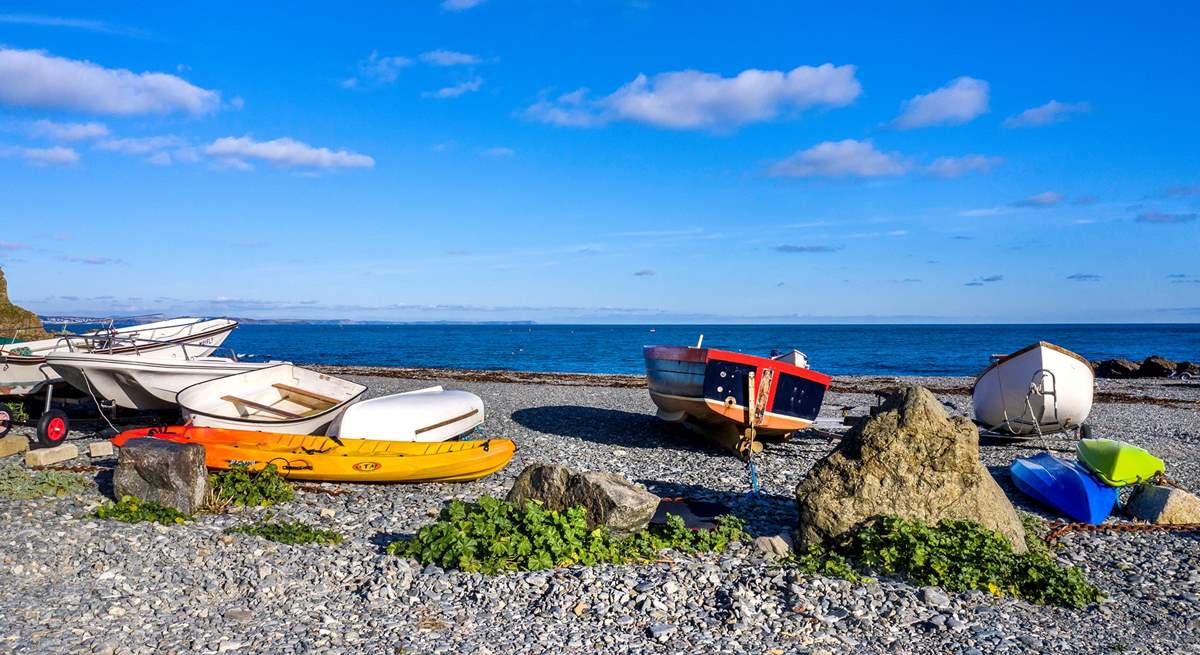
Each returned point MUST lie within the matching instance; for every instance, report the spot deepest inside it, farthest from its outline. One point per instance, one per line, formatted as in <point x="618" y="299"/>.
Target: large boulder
<point x="1164" y="506"/>
<point x="1156" y="367"/>
<point x="1188" y="368"/>
<point x="1117" y="369"/>
<point x="911" y="460"/>
<point x="15" y="321"/>
<point x="611" y="500"/>
<point x="168" y="473"/>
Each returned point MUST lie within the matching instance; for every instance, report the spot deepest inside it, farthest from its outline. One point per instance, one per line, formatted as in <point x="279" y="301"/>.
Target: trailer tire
<point x="1085" y="431"/>
<point x="52" y="428"/>
<point x="6" y="419"/>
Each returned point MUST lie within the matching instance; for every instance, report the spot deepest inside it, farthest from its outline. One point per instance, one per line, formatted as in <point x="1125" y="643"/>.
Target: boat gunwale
<point x="247" y="420"/>
<point x="705" y="355"/>
<point x="7" y="357"/>
<point x="1036" y="345"/>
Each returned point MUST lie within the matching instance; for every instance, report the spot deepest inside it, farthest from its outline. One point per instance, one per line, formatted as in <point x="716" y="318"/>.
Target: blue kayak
<point x="1065" y="487"/>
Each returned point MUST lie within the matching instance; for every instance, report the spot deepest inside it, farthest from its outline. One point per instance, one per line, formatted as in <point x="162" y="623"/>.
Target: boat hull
<point x="141" y="383"/>
<point x="1065" y="487"/>
<point x="426" y="415"/>
<point x="25" y="374"/>
<point x="1116" y="463"/>
<point x="300" y="457"/>
<point x="1064" y="384"/>
<point x="709" y="389"/>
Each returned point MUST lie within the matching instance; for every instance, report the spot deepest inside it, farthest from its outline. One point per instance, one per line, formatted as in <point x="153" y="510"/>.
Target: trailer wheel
<point x="52" y="428"/>
<point x="6" y="419"/>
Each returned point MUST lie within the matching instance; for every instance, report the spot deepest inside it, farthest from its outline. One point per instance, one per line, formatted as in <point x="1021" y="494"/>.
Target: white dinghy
<point x="280" y="398"/>
<point x="426" y="415"/>
<point x="141" y="382"/>
<point x="1038" y="389"/>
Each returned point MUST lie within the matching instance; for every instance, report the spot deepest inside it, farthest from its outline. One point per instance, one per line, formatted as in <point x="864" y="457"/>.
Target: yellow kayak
<point x="304" y="457"/>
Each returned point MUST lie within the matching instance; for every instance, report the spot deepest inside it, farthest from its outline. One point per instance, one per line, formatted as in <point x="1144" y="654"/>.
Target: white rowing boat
<point x="425" y="415"/>
<point x="1038" y="389"/>
<point x="281" y="398"/>
<point x="144" y="382"/>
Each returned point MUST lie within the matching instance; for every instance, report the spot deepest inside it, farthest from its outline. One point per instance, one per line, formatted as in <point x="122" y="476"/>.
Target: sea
<point x="919" y="350"/>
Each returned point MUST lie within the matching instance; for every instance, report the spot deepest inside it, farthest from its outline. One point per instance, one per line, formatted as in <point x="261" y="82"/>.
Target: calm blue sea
<point x="833" y="349"/>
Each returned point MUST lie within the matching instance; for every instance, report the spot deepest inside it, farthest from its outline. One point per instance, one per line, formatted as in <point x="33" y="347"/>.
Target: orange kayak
<point x="304" y="457"/>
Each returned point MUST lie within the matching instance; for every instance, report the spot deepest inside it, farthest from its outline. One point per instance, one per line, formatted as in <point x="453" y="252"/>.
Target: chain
<point x="1062" y="529"/>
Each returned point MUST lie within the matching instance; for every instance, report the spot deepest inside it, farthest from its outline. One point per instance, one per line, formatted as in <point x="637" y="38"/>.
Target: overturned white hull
<point x="425" y="415"/>
<point x="23" y="368"/>
<point x="144" y="383"/>
<point x="281" y="398"/>
<point x="1041" y="387"/>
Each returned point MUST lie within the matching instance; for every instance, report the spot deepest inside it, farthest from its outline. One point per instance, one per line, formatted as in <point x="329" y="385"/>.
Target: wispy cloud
<point x="1043" y="199"/>
<point x="284" y="152"/>
<point x="456" y="90"/>
<point x="959" y="166"/>
<point x="986" y="279"/>
<point x="47" y="129"/>
<point x="12" y="245"/>
<point x="377" y="69"/>
<point x="798" y="250"/>
<point x="984" y="211"/>
<point x="33" y="78"/>
<point x="1183" y="278"/>
<point x="55" y="156"/>
<point x="1184" y="191"/>
<point x="70" y="23"/>
<point x="959" y="101"/>
<point x="460" y="5"/>
<point x="846" y="158"/>
<point x="643" y="273"/>
<point x="695" y="100"/>
<point x="449" y="58"/>
<point x="1162" y="218"/>
<point x="1049" y="113"/>
<point x="94" y="261"/>
<point x="1084" y="277"/>
<point x="498" y="151"/>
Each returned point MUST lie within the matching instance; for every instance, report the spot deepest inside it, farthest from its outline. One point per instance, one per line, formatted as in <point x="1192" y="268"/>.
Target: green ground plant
<point x="239" y="486"/>
<point x="19" y="483"/>
<point x="135" y="510"/>
<point x="288" y="532"/>
<point x="493" y="536"/>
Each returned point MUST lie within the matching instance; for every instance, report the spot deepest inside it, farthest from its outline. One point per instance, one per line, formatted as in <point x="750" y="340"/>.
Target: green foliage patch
<point x="19" y="483"/>
<point x="241" y="486"/>
<point x="959" y="555"/>
<point x="288" y="532"/>
<point x="135" y="510"/>
<point x="492" y="536"/>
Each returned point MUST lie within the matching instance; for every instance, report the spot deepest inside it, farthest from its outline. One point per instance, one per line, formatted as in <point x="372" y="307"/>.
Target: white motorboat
<point x="23" y="369"/>
<point x="281" y="398"/>
<point x="142" y="382"/>
<point x="426" y="415"/>
<point x="1038" y="389"/>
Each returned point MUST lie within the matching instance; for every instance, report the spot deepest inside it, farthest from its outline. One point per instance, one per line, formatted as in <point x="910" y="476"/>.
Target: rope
<point x="98" y="407"/>
<point x="753" y="476"/>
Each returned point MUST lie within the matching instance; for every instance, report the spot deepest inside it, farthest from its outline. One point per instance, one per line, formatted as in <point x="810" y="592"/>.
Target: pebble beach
<point x="74" y="584"/>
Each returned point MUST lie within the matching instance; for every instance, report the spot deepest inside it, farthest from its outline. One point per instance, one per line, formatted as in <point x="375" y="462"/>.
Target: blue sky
<point x="603" y="161"/>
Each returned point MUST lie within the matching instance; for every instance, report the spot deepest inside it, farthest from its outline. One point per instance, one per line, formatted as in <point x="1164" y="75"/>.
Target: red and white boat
<point x="724" y="394"/>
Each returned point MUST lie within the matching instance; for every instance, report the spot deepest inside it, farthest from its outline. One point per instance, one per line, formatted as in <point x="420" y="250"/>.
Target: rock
<point x="100" y="449"/>
<point x="1164" y="506"/>
<point x="910" y="460"/>
<point x="774" y="547"/>
<point x="1117" y="369"/>
<point x="661" y="631"/>
<point x="611" y="500"/>
<point x="22" y="323"/>
<point x="168" y="473"/>
<point x="1156" y="367"/>
<point x="13" y="444"/>
<point x="48" y="456"/>
<point x="1188" y="368"/>
<point x="934" y="597"/>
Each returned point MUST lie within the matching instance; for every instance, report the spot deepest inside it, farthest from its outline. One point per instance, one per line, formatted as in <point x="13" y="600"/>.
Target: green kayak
<point x="1117" y="463"/>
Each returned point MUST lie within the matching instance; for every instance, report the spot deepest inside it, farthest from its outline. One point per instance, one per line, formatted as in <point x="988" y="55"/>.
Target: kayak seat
<point x="241" y="403"/>
<point x="311" y="399"/>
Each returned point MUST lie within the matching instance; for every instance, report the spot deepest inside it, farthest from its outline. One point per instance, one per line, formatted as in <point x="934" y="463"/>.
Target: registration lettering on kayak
<point x="367" y="466"/>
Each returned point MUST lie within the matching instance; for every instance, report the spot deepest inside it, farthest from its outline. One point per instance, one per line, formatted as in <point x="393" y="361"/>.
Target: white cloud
<point x="32" y="78"/>
<point x="499" y="151"/>
<point x="960" y="166"/>
<point x="959" y="101"/>
<point x="689" y="100"/>
<point x="846" y="158"/>
<point x="140" y="145"/>
<point x="45" y="129"/>
<point x="56" y="156"/>
<point x="456" y="90"/>
<point x="448" y="58"/>
<point x="234" y="151"/>
<point x="460" y="5"/>
<point x="381" y="70"/>
<point x="986" y="211"/>
<point x="1051" y="112"/>
<point x="1043" y="199"/>
<point x="73" y="23"/>
<point x="160" y="159"/>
